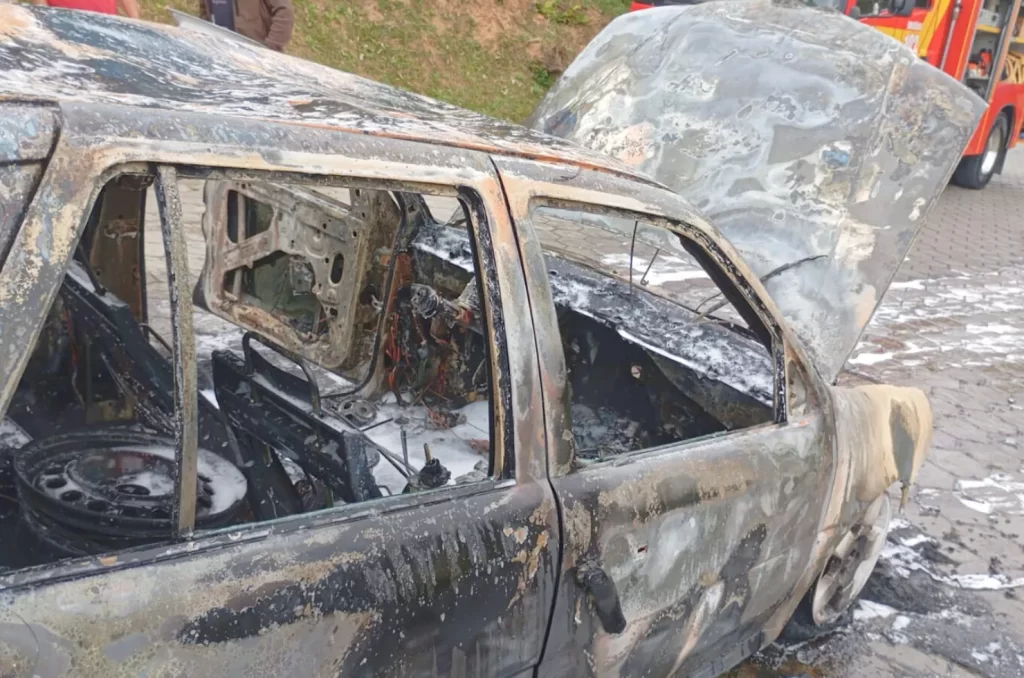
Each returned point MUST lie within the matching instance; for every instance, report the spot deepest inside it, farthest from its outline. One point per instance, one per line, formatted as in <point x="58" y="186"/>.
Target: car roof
<point x="74" y="56"/>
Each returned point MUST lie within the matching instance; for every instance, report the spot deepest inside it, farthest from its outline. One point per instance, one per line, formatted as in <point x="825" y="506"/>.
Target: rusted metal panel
<point x="60" y="56"/>
<point x="703" y="541"/>
<point x="186" y="429"/>
<point x="116" y="255"/>
<point x="797" y="132"/>
<point x="242" y="144"/>
<point x="314" y="231"/>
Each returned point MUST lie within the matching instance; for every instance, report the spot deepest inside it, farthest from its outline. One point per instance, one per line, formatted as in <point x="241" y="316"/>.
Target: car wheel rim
<point x="992" y="149"/>
<point x="852" y="563"/>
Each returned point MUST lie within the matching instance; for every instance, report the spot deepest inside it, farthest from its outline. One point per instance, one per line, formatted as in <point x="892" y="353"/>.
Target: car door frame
<point x="458" y="581"/>
<point x="774" y="572"/>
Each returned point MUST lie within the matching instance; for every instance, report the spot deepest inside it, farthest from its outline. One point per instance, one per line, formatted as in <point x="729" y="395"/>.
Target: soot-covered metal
<point x="427" y="443"/>
<point x="823" y="140"/>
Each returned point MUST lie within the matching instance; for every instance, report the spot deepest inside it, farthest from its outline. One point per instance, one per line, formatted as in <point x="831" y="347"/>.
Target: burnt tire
<point x="975" y="171"/>
<point x="801" y="627"/>
<point x="829" y="603"/>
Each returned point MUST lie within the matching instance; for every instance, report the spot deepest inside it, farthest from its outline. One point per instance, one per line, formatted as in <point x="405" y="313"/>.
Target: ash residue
<point x="601" y="432"/>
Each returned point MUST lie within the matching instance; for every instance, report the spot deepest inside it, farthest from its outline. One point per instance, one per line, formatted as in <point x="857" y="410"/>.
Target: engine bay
<point x="356" y="366"/>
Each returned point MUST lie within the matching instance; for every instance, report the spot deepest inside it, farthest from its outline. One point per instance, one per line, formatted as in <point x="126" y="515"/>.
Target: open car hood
<point x="803" y="135"/>
<point x="194" y="23"/>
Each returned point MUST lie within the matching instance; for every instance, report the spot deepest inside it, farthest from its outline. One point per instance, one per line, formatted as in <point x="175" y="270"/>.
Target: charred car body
<point x="488" y="403"/>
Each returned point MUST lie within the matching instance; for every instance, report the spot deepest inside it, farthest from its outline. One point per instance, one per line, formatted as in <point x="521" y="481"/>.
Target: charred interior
<point x="353" y="364"/>
<point x="643" y="371"/>
<point x="349" y="369"/>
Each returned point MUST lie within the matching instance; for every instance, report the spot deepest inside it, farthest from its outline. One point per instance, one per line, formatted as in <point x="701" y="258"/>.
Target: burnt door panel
<point x="452" y="583"/>
<point x="700" y="543"/>
<point x="674" y="552"/>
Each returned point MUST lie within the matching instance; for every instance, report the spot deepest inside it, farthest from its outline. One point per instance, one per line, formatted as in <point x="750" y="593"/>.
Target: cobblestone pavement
<point x="946" y="599"/>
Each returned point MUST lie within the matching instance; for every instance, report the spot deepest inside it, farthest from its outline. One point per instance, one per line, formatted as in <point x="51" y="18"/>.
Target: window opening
<point x="340" y="357"/>
<point x="653" y="354"/>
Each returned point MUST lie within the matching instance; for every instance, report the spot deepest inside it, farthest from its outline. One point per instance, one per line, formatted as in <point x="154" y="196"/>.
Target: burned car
<point x="306" y="375"/>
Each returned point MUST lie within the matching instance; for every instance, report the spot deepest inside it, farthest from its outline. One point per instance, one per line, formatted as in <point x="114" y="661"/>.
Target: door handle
<point x="596" y="582"/>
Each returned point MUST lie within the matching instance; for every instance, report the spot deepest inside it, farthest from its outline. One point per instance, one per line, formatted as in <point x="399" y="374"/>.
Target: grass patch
<point x="611" y="8"/>
<point x="497" y="57"/>
<point x="561" y="12"/>
<point x="542" y="77"/>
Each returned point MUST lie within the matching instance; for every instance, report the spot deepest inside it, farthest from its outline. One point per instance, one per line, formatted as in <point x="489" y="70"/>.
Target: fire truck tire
<point x="975" y="171"/>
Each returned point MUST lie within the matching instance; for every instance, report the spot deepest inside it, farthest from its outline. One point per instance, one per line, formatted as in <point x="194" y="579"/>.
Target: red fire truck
<point x="978" y="42"/>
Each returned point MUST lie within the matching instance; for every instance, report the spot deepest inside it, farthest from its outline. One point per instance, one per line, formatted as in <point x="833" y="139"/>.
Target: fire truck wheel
<point x="975" y="171"/>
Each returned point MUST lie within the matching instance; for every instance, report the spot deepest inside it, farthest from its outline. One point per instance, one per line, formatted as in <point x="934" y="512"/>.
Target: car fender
<point x="883" y="434"/>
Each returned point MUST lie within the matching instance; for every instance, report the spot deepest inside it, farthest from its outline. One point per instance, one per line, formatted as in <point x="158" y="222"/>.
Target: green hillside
<point x="493" y="56"/>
